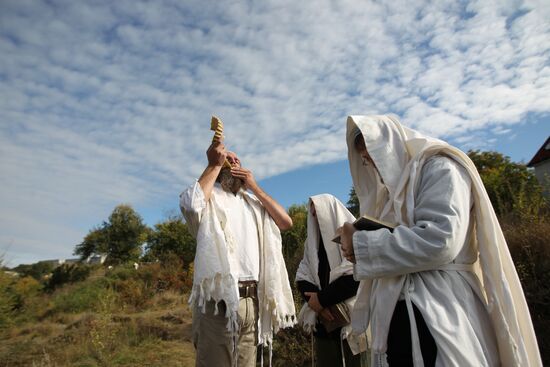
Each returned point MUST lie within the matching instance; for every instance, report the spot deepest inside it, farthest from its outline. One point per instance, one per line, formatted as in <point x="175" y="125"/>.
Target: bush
<point x="7" y="300"/>
<point x="67" y="273"/>
<point x="37" y="270"/>
<point x="530" y="250"/>
<point x="81" y="297"/>
<point x="24" y="290"/>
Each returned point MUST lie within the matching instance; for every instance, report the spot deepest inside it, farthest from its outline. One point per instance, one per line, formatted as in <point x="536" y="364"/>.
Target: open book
<point x="368" y="223"/>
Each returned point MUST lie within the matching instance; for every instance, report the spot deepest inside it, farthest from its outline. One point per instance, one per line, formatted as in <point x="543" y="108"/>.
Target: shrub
<point x="7" y="300"/>
<point x="67" y="273"/>
<point x="530" y="250"/>
<point x="24" y="290"/>
<point x="82" y="297"/>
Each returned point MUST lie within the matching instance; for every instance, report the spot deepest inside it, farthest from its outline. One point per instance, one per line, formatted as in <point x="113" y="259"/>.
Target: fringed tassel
<point x="342" y="351"/>
<point x="262" y="357"/>
<point x="312" y="351"/>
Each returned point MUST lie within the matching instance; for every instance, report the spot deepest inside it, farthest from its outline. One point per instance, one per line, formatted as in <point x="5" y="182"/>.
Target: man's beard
<point x="229" y="182"/>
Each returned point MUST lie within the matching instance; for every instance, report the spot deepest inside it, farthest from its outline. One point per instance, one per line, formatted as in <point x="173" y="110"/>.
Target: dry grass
<point x="89" y="323"/>
<point x="151" y="338"/>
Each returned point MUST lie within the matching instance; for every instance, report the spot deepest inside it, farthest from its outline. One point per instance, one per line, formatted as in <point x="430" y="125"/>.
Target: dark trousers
<point x="399" y="338"/>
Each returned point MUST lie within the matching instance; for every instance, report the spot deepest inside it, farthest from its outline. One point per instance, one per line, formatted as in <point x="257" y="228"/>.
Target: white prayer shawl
<point x="330" y="214"/>
<point x="213" y="279"/>
<point x="400" y="155"/>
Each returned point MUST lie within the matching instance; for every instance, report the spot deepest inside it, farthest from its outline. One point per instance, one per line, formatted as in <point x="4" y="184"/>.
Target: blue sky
<point x="109" y="102"/>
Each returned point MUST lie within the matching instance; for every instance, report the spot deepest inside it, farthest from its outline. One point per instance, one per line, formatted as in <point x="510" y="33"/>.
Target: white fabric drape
<point x="418" y="174"/>
<point x="330" y="214"/>
<point x="213" y="278"/>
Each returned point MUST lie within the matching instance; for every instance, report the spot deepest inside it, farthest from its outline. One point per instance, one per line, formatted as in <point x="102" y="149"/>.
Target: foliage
<point x="80" y="297"/>
<point x="37" y="270"/>
<point x="528" y="244"/>
<point x="136" y="289"/>
<point x="67" y="273"/>
<point x="95" y="242"/>
<point x="294" y="238"/>
<point x="25" y="289"/>
<point x="7" y="300"/>
<point x="513" y="189"/>
<point x="171" y="237"/>
<point x="353" y="203"/>
<point x="121" y="237"/>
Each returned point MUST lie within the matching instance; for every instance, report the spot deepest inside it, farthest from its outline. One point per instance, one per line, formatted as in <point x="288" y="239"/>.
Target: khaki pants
<point x="214" y="343"/>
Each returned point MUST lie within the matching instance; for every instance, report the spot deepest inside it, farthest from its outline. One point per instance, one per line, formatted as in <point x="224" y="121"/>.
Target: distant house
<point x="541" y="163"/>
<point x="54" y="263"/>
<point x="92" y="259"/>
<point x="96" y="259"/>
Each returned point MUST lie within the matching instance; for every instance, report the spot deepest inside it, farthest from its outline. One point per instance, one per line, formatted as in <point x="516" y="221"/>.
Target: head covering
<point x="399" y="154"/>
<point x="330" y="213"/>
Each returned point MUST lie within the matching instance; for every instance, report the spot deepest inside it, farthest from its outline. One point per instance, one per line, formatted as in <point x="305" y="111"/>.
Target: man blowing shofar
<point x="241" y="293"/>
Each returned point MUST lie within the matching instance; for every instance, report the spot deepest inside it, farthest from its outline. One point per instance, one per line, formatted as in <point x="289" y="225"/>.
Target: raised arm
<point x="216" y="155"/>
<point x="275" y="210"/>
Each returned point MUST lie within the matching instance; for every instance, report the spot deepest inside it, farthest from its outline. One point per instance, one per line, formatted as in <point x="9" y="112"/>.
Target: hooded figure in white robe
<point x="324" y="259"/>
<point x="447" y="256"/>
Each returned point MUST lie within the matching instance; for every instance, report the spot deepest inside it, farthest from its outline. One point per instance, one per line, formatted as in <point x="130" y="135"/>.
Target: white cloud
<point x="109" y="102"/>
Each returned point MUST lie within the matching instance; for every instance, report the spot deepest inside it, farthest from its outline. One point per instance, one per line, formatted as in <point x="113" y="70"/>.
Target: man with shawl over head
<point x="325" y="278"/>
<point x="441" y="289"/>
<point x="241" y="293"/>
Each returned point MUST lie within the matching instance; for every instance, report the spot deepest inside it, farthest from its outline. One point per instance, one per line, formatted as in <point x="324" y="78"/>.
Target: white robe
<point x="330" y="214"/>
<point x="435" y="195"/>
<point x="213" y="278"/>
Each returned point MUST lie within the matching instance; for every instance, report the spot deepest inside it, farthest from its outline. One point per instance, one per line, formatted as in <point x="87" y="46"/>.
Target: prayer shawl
<point x="400" y="155"/>
<point x="330" y="214"/>
<point x="213" y="279"/>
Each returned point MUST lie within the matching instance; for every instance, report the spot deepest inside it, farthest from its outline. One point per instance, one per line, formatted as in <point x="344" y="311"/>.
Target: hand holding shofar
<point x="216" y="125"/>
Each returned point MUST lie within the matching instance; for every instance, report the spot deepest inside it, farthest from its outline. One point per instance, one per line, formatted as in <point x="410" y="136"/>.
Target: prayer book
<point x="368" y="223"/>
<point x="341" y="315"/>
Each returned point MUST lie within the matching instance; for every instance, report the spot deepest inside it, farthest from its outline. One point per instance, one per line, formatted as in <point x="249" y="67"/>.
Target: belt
<point x="248" y="289"/>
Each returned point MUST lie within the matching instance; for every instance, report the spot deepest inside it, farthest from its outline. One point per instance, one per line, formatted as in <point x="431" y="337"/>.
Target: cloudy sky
<point x="108" y="102"/>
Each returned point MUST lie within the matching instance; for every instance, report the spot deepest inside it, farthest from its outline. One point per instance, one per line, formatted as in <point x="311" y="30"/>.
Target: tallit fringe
<point x="217" y="289"/>
<point x="278" y="321"/>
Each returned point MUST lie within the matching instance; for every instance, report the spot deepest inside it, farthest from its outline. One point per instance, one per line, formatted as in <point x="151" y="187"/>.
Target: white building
<point x="541" y="163"/>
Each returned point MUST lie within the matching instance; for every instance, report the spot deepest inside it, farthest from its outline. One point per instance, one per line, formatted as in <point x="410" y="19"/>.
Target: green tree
<point x="353" y="203"/>
<point x="121" y="237"/>
<point x="171" y="237"/>
<point x="294" y="238"/>
<point x="126" y="233"/>
<point x="95" y="242"/>
<point x="512" y="187"/>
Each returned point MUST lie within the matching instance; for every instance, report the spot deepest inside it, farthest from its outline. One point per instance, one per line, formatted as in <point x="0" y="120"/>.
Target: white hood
<point x="399" y="154"/>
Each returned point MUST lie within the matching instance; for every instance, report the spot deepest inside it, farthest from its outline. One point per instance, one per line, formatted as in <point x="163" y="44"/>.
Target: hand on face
<point x="216" y="154"/>
<point x="239" y="172"/>
<point x="245" y="175"/>
<point x="346" y="240"/>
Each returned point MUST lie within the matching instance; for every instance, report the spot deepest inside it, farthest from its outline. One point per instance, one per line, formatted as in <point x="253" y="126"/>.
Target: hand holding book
<point x="365" y="223"/>
<point x="344" y="234"/>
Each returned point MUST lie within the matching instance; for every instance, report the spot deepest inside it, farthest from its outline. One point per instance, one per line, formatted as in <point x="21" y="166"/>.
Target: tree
<point x="121" y="237"/>
<point x="95" y="242"/>
<point x="294" y="238"/>
<point x="126" y="233"/>
<point x="353" y="203"/>
<point x="512" y="187"/>
<point x="171" y="237"/>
